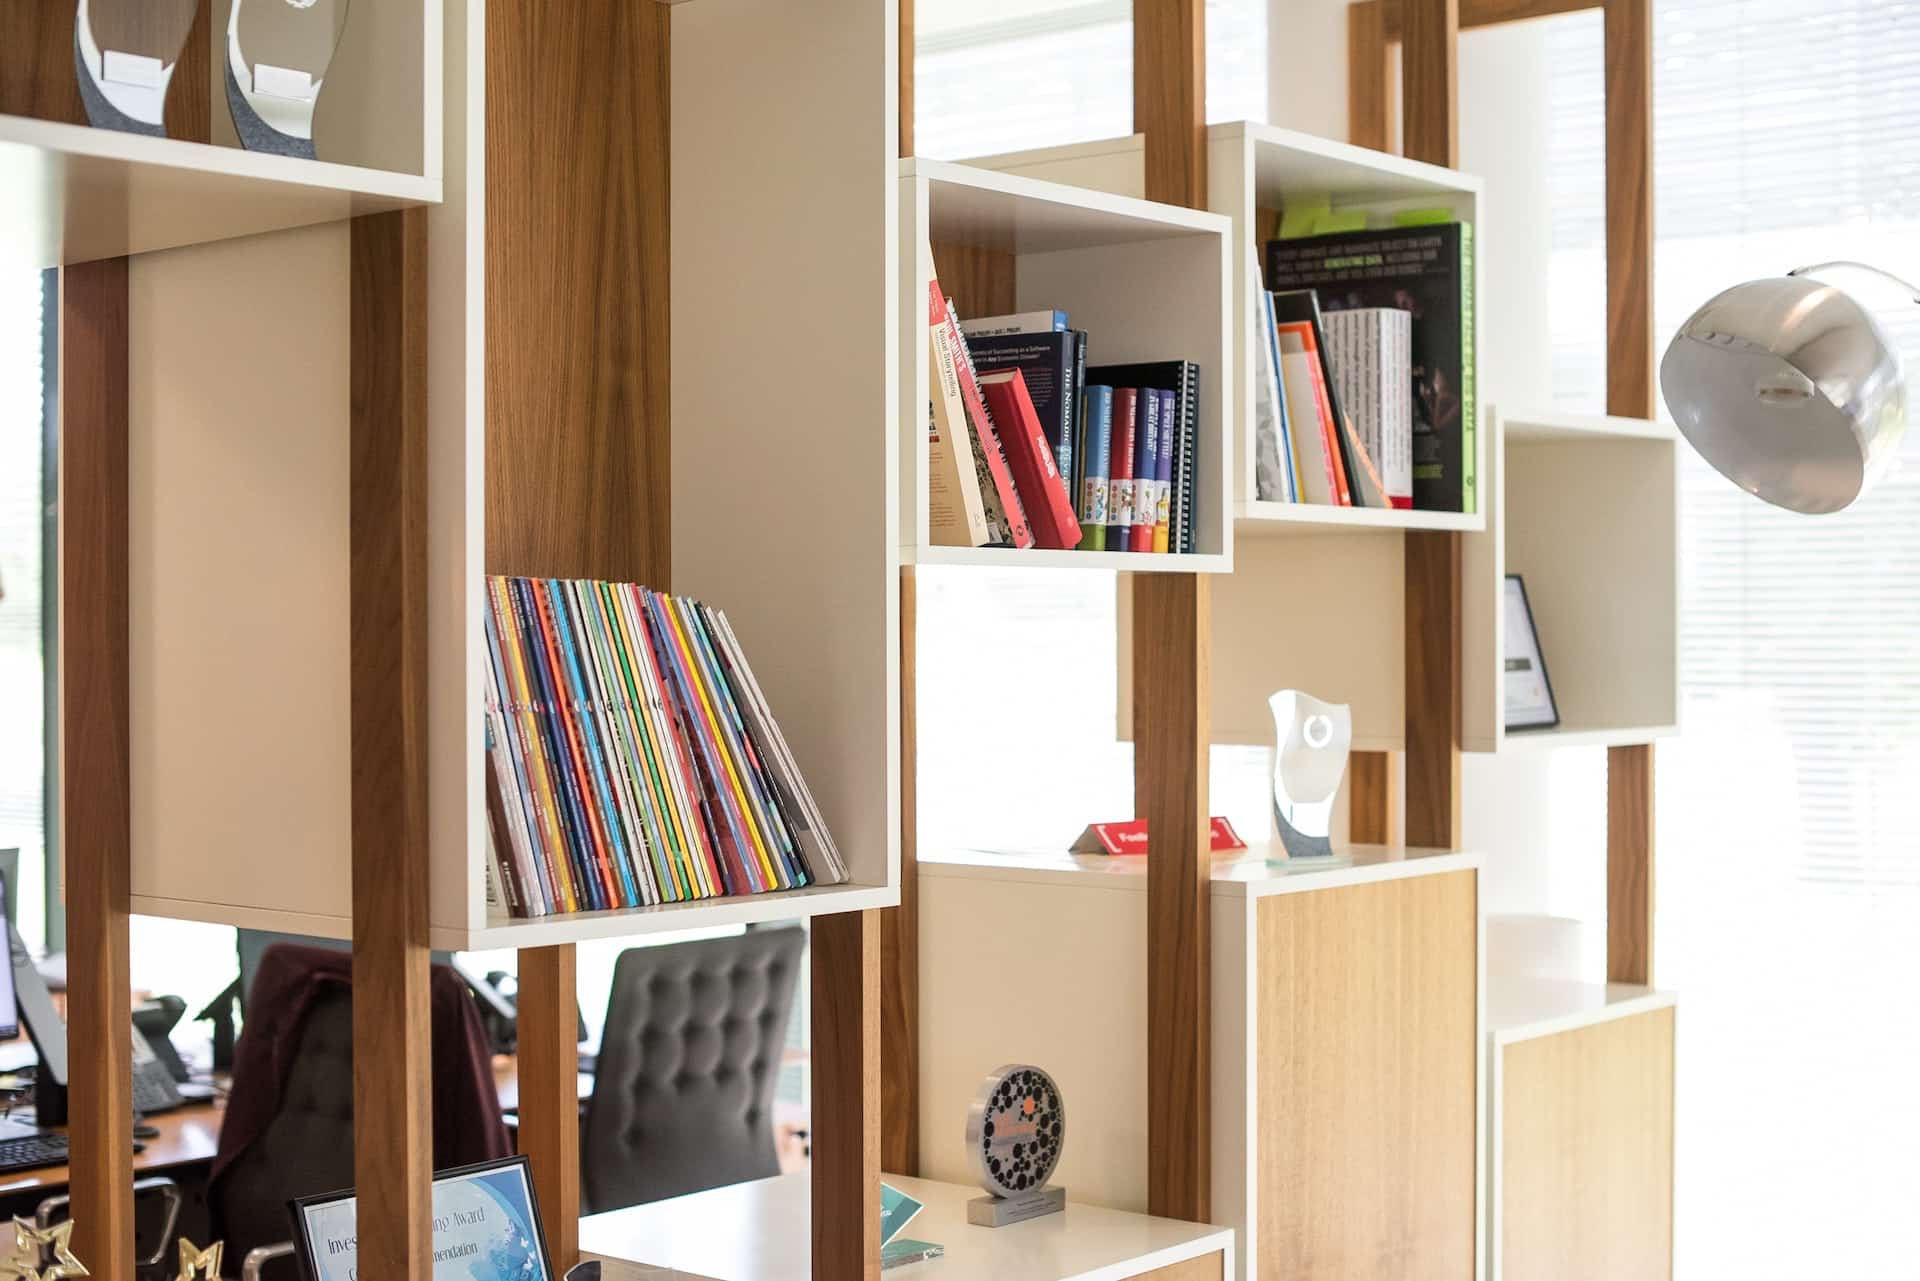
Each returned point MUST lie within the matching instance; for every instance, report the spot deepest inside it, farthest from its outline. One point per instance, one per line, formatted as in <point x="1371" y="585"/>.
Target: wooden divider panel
<point x="845" y="979"/>
<point x="392" y="1101"/>
<point x="95" y="736"/>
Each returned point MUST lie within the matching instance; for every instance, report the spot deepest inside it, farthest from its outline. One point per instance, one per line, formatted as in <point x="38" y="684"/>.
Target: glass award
<point x="277" y="56"/>
<point x="1312" y="740"/>
<point x="124" y="54"/>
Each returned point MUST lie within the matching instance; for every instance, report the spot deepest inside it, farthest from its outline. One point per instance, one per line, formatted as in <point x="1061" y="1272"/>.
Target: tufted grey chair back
<point x="683" y="1093"/>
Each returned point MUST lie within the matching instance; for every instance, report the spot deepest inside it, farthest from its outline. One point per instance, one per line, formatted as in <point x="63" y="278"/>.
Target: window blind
<point x="1002" y="77"/>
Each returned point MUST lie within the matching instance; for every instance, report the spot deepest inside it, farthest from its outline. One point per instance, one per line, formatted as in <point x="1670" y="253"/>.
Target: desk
<point x="760" y="1232"/>
<point x="189" y="1136"/>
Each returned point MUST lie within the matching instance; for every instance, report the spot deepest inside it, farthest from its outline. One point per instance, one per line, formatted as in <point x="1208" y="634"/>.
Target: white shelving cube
<point x="1146" y="281"/>
<point x="71" y="193"/>
<point x="1586" y="510"/>
<point x="784" y="513"/>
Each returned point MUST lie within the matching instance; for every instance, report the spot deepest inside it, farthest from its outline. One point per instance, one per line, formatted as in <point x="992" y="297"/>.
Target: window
<point x="1009" y="75"/>
<point x="1785" y="134"/>
<point x="25" y="299"/>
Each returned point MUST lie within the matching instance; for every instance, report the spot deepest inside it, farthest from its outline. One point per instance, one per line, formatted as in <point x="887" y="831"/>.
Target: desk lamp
<point x="1790" y="389"/>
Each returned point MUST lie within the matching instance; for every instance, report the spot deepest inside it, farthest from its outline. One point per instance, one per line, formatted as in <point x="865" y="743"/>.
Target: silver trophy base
<point x="999" y="1211"/>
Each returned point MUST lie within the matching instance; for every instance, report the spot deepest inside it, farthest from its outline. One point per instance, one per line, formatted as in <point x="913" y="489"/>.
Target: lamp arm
<point x="1913" y="292"/>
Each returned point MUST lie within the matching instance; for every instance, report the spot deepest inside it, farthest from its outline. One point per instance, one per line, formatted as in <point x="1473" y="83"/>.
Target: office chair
<point x="683" y="1095"/>
<point x="157" y="1264"/>
<point x="289" y="1126"/>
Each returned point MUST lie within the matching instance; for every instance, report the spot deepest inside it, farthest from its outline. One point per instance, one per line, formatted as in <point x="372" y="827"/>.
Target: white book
<point x="1273" y="478"/>
<point x="1026" y="322"/>
<point x="1371" y="351"/>
<point x="956" y="513"/>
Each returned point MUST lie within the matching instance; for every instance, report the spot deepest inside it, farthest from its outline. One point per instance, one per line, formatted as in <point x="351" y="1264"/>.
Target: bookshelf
<point x="1315" y="591"/>
<point x="1344" y="1050"/>
<point x="1586" y="509"/>
<point x="1146" y="281"/>
<point x="522" y="483"/>
<point x="1252" y="169"/>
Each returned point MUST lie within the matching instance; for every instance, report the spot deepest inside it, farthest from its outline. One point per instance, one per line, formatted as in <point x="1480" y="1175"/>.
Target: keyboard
<point x="37" y="1152"/>
<point x="32" y="1152"/>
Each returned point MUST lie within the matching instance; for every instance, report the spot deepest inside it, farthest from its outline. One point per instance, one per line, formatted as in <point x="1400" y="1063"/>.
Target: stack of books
<point x="1364" y="381"/>
<point x="632" y="758"/>
<point x="1028" y="446"/>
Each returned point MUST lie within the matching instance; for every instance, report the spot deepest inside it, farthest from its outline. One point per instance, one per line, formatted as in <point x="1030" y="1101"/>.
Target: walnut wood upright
<point x="549" y="1113"/>
<point x="1628" y="28"/>
<point x="1430" y="56"/>
<point x="392" y="1104"/>
<point x="844" y="973"/>
<point x="1172" y="616"/>
<point x="96" y="800"/>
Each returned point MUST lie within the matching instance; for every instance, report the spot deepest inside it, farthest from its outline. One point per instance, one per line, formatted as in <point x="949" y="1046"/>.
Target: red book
<point x="986" y="439"/>
<point x="1120" y="470"/>
<point x="1035" y="473"/>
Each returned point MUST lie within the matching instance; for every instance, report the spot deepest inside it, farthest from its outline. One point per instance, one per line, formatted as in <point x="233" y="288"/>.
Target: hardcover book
<point x="1126" y="406"/>
<point x="956" y="513"/>
<point x="1428" y="271"/>
<point x="1093" y="483"/>
<point x="996" y="481"/>
<point x="1039" y="481"/>
<point x="1046" y="360"/>
<point x="1182" y="378"/>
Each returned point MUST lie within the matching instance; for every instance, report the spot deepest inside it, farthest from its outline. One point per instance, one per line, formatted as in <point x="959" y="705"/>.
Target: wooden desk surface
<point x="189" y="1135"/>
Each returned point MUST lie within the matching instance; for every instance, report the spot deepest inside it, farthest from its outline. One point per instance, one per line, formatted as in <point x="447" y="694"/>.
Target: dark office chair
<point x="683" y="1096"/>
<point x="288" y="1131"/>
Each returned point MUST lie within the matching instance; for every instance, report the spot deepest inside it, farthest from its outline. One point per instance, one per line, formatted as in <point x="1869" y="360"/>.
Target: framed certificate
<point x="1528" y="694"/>
<point x="486" y="1227"/>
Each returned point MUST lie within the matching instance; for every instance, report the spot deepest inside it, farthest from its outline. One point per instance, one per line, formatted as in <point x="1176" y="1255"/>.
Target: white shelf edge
<point x="1387" y="165"/>
<point x="1046" y="558"/>
<point x="1533" y="1008"/>
<point x="1531" y="426"/>
<point x="744" y="909"/>
<point x="1240" y="874"/>
<point x="1578" y="736"/>
<point x="1257" y="517"/>
<point x="1174" y="218"/>
<point x="86" y="142"/>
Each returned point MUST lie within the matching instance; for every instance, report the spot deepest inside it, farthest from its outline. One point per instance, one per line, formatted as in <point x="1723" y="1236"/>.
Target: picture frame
<point x="1526" y="689"/>
<point x="462" y="1199"/>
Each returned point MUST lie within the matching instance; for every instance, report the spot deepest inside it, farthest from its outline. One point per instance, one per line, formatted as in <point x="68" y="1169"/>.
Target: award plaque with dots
<point x="1016" y="1130"/>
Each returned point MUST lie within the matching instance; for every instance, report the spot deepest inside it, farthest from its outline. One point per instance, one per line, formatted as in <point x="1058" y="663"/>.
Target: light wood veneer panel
<point x="1368" y="1024"/>
<point x="1587" y="1153"/>
<point x="1208" y="1267"/>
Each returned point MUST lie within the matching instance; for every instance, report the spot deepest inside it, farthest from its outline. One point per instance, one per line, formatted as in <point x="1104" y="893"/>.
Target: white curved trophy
<point x="124" y="55"/>
<point x="277" y="56"/>
<point x="1309" y="759"/>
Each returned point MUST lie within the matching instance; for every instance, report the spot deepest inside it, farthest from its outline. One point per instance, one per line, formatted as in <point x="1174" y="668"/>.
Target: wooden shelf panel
<point x="1258" y="519"/>
<point x="1520" y="1007"/>
<point x="69" y="193"/>
<point x="1534" y="426"/>
<point x="1008" y="213"/>
<point x="1568" y="734"/>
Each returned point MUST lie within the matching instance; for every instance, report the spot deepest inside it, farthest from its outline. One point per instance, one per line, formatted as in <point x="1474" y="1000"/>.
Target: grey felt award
<point x="1016" y="1130"/>
<point x="277" y="56"/>
<point x="124" y="55"/>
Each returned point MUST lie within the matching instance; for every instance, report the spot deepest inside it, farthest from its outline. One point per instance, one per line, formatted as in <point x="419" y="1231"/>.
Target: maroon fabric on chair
<point x="467" y="1126"/>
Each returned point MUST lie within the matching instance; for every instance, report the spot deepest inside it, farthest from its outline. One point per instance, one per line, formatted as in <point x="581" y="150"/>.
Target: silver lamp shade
<point x="1790" y="389"/>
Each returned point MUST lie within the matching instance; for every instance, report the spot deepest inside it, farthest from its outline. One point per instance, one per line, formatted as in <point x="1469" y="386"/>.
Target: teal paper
<point x="896" y="1211"/>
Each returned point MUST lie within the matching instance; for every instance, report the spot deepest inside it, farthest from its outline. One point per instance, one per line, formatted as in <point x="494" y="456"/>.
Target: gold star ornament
<point x="31" y="1242"/>
<point x="198" y="1263"/>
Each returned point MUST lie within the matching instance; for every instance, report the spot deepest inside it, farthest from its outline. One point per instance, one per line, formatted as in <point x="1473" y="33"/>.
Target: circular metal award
<point x="1016" y="1130"/>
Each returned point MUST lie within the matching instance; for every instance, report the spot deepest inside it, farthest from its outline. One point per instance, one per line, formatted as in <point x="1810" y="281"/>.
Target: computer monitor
<point x="9" y="1010"/>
